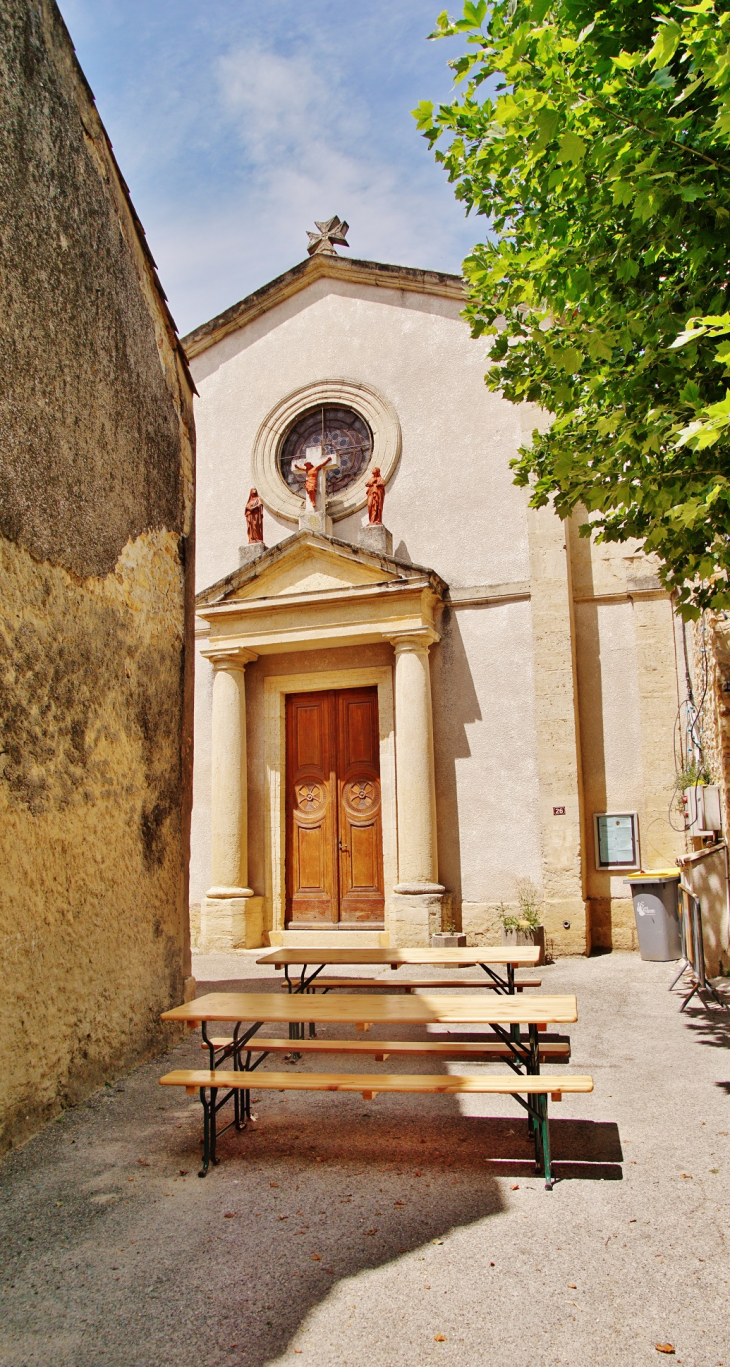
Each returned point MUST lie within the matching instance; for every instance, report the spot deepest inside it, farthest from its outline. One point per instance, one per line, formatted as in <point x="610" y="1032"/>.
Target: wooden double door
<point x="334" y="837"/>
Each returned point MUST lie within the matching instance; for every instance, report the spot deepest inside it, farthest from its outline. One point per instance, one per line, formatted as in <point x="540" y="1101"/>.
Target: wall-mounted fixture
<point x="702" y="808"/>
<point x="616" y="839"/>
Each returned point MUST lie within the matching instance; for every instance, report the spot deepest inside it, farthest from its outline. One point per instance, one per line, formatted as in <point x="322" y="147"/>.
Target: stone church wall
<point x="554" y="682"/>
<point x="96" y="436"/>
<point x="451" y="505"/>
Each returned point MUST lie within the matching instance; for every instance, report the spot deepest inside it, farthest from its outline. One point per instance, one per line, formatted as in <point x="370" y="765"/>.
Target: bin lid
<point x="654" y="876"/>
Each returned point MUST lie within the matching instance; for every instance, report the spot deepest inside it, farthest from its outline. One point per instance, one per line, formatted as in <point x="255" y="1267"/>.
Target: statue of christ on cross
<point x="312" y="463"/>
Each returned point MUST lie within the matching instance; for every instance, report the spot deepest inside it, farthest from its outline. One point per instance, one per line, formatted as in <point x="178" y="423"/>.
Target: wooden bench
<point x="412" y="984"/>
<point x="492" y="1050"/>
<point x="531" y="1092"/>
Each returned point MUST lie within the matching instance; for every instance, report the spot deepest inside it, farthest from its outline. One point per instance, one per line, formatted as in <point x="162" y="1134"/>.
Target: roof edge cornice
<point x="226" y="587"/>
<point x="315" y="268"/>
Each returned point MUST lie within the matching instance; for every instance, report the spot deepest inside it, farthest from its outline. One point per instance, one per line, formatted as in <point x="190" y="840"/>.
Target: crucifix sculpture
<point x="332" y="231"/>
<point x="312" y="468"/>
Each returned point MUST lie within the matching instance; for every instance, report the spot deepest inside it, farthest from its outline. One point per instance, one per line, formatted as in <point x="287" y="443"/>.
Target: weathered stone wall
<point x="96" y="445"/>
<point x="709" y="651"/>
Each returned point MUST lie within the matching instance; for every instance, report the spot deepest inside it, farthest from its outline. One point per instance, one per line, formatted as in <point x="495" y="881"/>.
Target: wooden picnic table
<point x="504" y="1014"/>
<point x="426" y="1008"/>
<point x="488" y="959"/>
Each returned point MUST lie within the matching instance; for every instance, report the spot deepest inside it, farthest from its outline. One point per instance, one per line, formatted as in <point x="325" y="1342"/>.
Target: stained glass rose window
<point x="327" y="431"/>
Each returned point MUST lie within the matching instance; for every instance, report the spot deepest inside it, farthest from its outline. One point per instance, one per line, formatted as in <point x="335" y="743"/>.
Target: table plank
<point x="522" y="955"/>
<point x="424" y="1008"/>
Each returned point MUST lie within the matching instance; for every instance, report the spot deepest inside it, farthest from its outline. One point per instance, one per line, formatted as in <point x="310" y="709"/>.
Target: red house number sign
<point x="558" y="811"/>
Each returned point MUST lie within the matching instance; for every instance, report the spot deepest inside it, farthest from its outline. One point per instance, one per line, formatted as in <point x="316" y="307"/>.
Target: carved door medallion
<point x="334" y="843"/>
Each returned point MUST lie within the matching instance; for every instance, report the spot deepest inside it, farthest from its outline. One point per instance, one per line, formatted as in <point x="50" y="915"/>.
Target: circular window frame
<point x="376" y="411"/>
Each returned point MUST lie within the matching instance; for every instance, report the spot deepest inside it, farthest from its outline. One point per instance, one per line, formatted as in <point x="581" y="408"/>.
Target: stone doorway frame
<point x="276" y="687"/>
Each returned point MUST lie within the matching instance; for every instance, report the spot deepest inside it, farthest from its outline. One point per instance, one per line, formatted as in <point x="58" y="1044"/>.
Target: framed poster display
<point x="616" y="840"/>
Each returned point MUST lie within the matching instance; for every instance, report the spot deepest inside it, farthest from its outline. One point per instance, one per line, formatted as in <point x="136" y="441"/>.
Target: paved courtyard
<point x="397" y="1233"/>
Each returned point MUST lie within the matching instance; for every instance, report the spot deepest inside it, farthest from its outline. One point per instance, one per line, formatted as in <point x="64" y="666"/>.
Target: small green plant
<point x="528" y="902"/>
<point x="691" y="776"/>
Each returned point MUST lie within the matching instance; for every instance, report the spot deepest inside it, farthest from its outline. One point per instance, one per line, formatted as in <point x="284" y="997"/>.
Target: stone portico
<point x="314" y="593"/>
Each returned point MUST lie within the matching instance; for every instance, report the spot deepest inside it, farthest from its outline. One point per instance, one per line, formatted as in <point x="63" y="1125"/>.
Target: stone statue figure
<point x="311" y="471"/>
<point x="255" y="517"/>
<point x="376" y="497"/>
<point x="310" y="484"/>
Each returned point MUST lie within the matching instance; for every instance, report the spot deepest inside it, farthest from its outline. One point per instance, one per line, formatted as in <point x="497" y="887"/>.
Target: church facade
<point x="398" y="722"/>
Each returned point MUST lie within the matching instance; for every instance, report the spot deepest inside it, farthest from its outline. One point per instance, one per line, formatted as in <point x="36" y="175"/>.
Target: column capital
<point x="416" y="642"/>
<point x="221" y="658"/>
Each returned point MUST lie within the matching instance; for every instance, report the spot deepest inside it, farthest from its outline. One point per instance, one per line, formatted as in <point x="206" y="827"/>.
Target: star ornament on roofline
<point x="332" y="231"/>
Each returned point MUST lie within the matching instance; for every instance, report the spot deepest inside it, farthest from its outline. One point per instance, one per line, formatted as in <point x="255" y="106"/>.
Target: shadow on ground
<point x="115" y="1252"/>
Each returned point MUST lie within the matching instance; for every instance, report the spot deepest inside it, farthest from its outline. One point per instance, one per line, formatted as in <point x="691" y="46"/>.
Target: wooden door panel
<point x="364" y="861"/>
<point x="311" y="872"/>
<point x="361" y="839"/>
<point x="359" y="739"/>
<point x="334" y="860"/>
<point x="310" y="748"/>
<point x="311" y="810"/>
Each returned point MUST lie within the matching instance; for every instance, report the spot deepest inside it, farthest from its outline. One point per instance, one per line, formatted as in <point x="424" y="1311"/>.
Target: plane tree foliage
<point x="596" y="144"/>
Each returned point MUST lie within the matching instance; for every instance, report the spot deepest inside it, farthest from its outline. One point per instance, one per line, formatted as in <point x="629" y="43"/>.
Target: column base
<point x="231" y="923"/>
<point x="415" y="913"/>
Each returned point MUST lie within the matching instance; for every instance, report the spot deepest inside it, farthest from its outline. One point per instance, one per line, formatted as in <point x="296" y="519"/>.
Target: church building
<point x="413" y="692"/>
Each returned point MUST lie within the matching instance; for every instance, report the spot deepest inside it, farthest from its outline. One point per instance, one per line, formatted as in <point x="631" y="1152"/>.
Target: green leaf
<point x="603" y="258"/>
<point x="572" y="148"/>
<point x="548" y="121"/>
<point x="569" y="359"/>
<point x="423" y="114"/>
<point x="688" y="90"/>
<point x="475" y="12"/>
<point x="666" y="43"/>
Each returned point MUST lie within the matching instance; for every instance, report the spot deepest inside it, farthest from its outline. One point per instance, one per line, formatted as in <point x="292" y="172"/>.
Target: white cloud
<point x="284" y="103"/>
<point x="238" y="127"/>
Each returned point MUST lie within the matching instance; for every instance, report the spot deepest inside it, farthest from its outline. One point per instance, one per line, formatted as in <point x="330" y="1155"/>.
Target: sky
<point x="237" y="123"/>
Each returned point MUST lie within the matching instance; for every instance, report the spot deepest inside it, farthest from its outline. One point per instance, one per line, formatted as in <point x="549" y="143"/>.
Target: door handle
<point x="344" y="849"/>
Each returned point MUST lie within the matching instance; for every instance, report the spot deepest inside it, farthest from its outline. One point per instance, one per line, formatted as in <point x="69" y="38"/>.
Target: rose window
<point x="327" y="431"/>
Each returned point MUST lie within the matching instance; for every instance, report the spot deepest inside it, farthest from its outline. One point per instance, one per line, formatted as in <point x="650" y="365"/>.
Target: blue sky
<point x="238" y="122"/>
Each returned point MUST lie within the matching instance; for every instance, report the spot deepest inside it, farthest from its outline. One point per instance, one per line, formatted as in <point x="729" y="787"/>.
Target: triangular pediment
<point x="405" y="279"/>
<point x="308" y="563"/>
<point x="312" y="569"/>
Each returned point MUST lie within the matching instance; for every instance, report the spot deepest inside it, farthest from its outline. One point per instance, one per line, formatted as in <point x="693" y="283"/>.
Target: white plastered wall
<point x="451" y="505"/>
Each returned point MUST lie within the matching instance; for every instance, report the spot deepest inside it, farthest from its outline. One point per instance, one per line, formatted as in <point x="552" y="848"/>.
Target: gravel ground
<point x="403" y="1232"/>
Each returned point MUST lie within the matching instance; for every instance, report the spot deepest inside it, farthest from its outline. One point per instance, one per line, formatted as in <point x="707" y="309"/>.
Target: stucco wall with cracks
<point x="96" y="564"/>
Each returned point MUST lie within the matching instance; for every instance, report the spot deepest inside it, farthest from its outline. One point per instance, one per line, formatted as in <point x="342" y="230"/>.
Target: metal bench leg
<point x="208" y="1129"/>
<point x="544" y="1128"/>
<point x="533" y="1129"/>
<point x="533" y="1067"/>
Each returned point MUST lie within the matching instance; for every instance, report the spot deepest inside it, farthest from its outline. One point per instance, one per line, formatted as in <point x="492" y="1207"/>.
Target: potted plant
<point x="524" y="926"/>
<point x="449" y="937"/>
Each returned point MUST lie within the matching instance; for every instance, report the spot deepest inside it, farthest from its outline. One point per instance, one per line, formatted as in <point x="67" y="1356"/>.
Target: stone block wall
<point x="96" y="443"/>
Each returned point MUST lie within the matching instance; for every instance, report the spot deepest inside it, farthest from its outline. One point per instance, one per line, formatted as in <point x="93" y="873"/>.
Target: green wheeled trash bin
<point x="656" y="909"/>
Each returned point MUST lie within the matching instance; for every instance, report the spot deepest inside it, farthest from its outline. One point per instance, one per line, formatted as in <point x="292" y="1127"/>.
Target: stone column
<point x="231" y="916"/>
<point x="560" y="807"/>
<point x="417" y="901"/>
